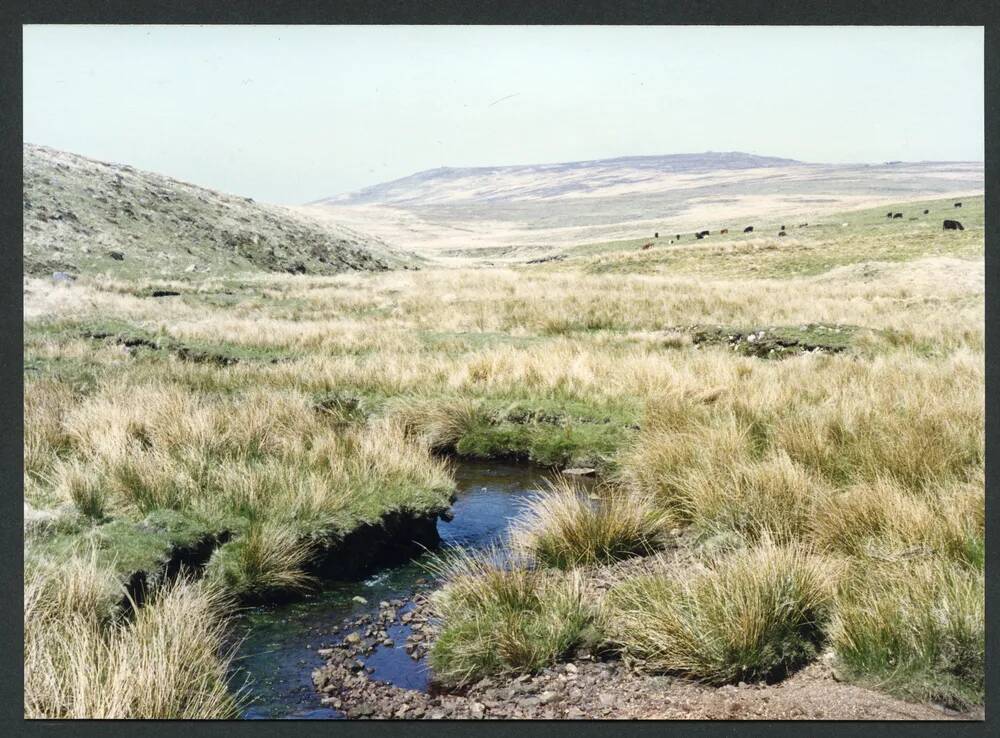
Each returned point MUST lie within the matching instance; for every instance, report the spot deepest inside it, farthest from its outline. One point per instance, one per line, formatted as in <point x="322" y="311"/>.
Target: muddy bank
<point x="396" y="538"/>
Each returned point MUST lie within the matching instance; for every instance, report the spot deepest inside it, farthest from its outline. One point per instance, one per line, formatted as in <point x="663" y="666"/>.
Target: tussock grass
<point x="46" y="403"/>
<point x="566" y="527"/>
<point x="754" y="615"/>
<point x="439" y="424"/>
<point x="916" y="628"/>
<point x="886" y="521"/>
<point x="79" y="663"/>
<point x="773" y="498"/>
<point x="242" y="460"/>
<point x="86" y="491"/>
<point x="873" y="456"/>
<point x="268" y="557"/>
<point x="501" y="618"/>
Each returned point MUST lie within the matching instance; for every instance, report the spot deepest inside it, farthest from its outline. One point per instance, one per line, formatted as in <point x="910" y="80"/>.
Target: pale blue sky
<point x="291" y="114"/>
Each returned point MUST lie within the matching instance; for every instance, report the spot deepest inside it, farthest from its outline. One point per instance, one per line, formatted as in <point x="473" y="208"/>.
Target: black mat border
<point x="625" y="12"/>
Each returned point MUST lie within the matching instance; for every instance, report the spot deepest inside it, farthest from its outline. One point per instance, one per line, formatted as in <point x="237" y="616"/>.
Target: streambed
<point x="280" y="642"/>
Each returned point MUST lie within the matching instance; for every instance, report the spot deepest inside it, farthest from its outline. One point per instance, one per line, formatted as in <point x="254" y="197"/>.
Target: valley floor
<point x="803" y="417"/>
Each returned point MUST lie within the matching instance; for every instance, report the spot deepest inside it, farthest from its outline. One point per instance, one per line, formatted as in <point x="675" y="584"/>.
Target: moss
<point x="777" y="341"/>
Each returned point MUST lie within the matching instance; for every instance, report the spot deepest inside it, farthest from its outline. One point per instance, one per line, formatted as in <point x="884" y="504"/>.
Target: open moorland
<point x="512" y="213"/>
<point x="786" y="435"/>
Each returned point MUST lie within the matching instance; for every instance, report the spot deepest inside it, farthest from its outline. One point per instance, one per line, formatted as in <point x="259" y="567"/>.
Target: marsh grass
<point x="80" y="662"/>
<point x="872" y="455"/>
<point x="568" y="526"/>
<point x="756" y="614"/>
<point x="914" y="627"/>
<point x="269" y="557"/>
<point x="499" y="617"/>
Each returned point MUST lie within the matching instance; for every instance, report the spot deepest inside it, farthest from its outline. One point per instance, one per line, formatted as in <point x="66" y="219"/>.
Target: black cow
<point x="953" y="225"/>
<point x="748" y="229"/>
<point x="782" y="227"/>
<point x="699" y="235"/>
<point x="889" y="214"/>
<point x="678" y="236"/>
<point x="926" y="211"/>
<point x="958" y="204"/>
<point x="897" y="215"/>
<point x="656" y="235"/>
<point x="782" y="233"/>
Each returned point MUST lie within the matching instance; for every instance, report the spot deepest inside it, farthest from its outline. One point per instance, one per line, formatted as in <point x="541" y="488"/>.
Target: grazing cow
<point x="699" y="235"/>
<point x="953" y="225"/>
<point x="748" y="229"/>
<point x="782" y="233"/>
<point x="926" y="211"/>
<point x="889" y="214"/>
<point x="897" y="215"/>
<point x="656" y="235"/>
<point x="648" y="245"/>
<point x="724" y="230"/>
<point x="705" y="233"/>
<point x="958" y="204"/>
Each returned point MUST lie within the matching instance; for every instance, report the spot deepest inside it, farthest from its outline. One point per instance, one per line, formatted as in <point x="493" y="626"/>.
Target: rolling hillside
<point x="86" y="216"/>
<point x="516" y="211"/>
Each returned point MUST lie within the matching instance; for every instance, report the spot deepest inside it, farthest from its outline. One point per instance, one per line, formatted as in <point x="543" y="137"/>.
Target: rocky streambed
<point x="378" y="621"/>
<point x="358" y="649"/>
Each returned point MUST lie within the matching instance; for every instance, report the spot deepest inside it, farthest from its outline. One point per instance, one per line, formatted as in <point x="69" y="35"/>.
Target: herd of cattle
<point x="949" y="225"/>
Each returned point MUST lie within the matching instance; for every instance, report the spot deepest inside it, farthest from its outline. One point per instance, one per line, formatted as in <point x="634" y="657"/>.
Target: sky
<point x="291" y="114"/>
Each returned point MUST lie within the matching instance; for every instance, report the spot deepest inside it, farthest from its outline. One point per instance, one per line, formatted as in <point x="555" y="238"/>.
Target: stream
<point x="278" y="651"/>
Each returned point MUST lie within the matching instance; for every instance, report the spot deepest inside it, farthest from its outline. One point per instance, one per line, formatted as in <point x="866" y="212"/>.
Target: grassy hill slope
<point x="86" y="216"/>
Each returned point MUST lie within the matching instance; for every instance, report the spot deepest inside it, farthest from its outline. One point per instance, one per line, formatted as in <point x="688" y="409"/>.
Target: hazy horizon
<point x="295" y="114"/>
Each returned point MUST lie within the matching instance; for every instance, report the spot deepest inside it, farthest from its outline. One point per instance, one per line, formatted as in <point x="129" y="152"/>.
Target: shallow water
<point x="278" y="652"/>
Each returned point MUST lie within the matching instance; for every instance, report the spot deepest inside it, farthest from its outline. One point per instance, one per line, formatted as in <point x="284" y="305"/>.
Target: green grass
<point x="754" y="615"/>
<point x="303" y="408"/>
<point x="809" y="251"/>
<point x="504" y="620"/>
<point x="126" y="546"/>
<point x="568" y="526"/>
<point x="916" y="629"/>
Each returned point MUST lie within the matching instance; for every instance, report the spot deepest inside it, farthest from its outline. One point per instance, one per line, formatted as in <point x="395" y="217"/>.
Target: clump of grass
<point x="503" y="618"/>
<point x="916" y="628"/>
<point x="46" y="403"/>
<point x="756" y="614"/>
<point x="269" y="557"/>
<point x="774" y="498"/>
<point x="76" y="586"/>
<point x="80" y="485"/>
<point x="885" y="521"/>
<point x="438" y="423"/>
<point x="565" y="527"/>
<point x="79" y="662"/>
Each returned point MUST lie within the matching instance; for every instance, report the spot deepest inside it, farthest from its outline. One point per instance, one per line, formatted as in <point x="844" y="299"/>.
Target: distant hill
<point x="87" y="216"/>
<point x="543" y="181"/>
<point x="514" y="212"/>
